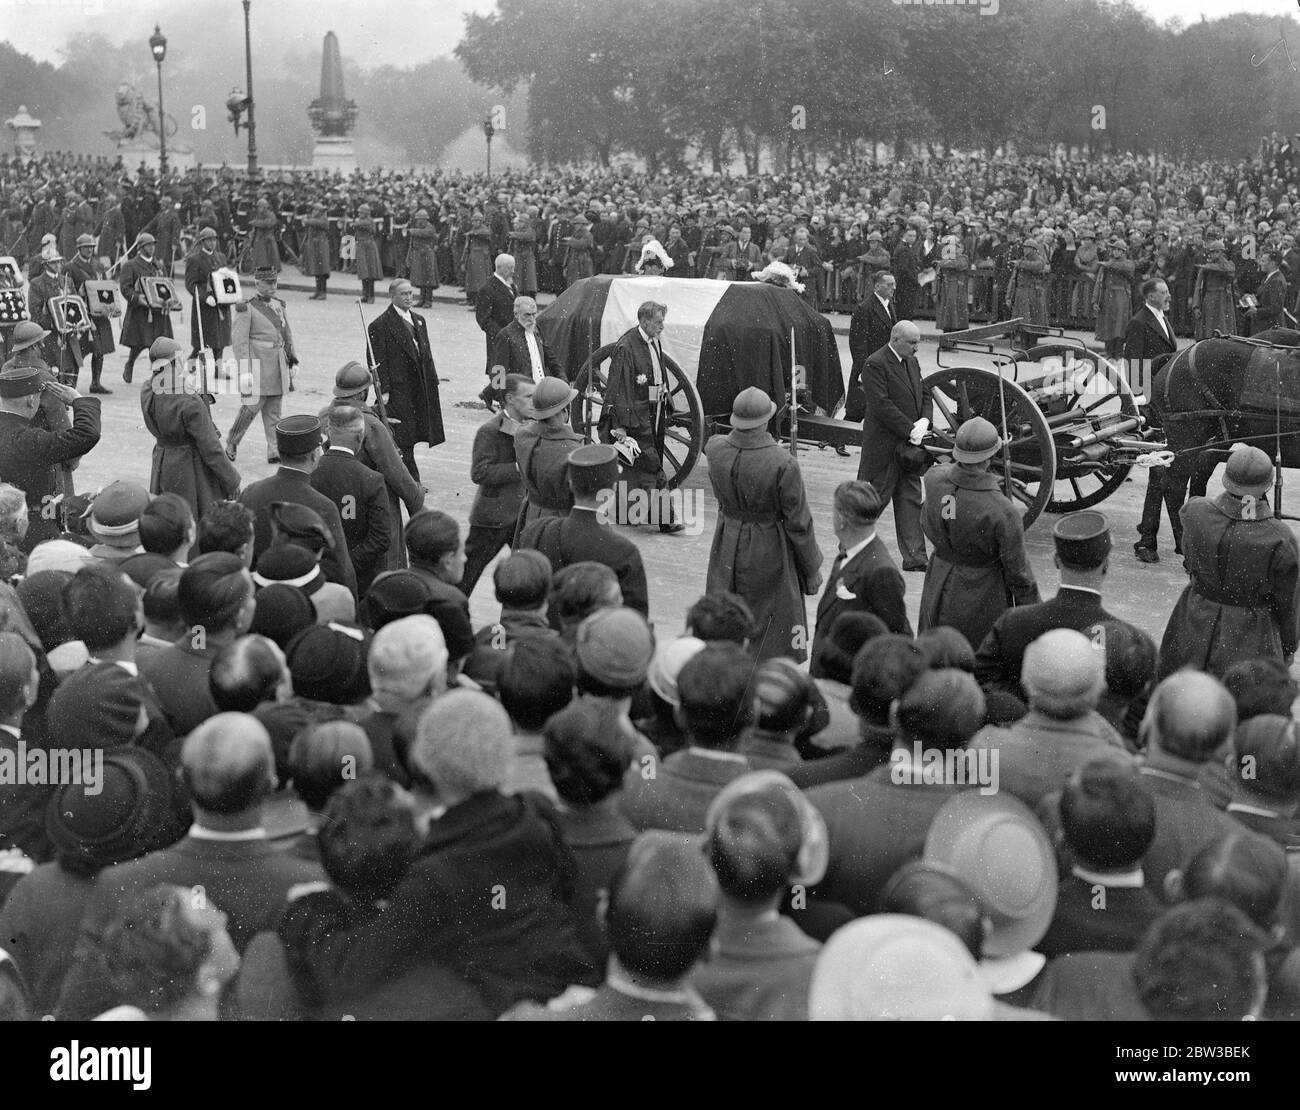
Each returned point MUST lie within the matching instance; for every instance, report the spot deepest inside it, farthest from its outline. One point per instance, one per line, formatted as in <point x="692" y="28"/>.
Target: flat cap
<point x="164" y="347"/>
<point x="1082" y="539"/>
<point x="615" y="646"/>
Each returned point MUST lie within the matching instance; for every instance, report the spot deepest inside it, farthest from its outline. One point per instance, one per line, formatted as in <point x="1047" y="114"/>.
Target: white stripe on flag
<point x="690" y="304"/>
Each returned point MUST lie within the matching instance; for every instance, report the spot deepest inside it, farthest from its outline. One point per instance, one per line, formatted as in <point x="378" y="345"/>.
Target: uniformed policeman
<point x="30" y="453"/>
<point x="979" y="567"/>
<point x="264" y="350"/>
<point x="542" y="449"/>
<point x="1243" y="601"/>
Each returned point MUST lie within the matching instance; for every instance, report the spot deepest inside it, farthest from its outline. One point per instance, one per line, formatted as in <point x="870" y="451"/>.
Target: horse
<point x="1226" y="390"/>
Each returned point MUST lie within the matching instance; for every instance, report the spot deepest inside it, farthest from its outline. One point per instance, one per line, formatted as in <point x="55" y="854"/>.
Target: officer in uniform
<point x="637" y="379"/>
<point x="142" y="324"/>
<point x="1243" y="601"/>
<point x="542" y="448"/>
<point x="298" y="441"/>
<point x="263" y="343"/>
<point x="583" y="536"/>
<point x="202" y="262"/>
<point x="1082" y="542"/>
<point x="31" y="454"/>
<point x="979" y="567"/>
<point x="380" y="452"/>
<point x="86" y="267"/>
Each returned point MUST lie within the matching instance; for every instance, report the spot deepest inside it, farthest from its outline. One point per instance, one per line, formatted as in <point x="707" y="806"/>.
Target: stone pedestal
<point x="334" y="152"/>
<point x="144" y="148"/>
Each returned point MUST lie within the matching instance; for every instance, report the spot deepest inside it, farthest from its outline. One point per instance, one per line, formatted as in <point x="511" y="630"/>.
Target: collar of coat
<point x="747" y="439"/>
<point x="973" y="479"/>
<point x="1230" y="505"/>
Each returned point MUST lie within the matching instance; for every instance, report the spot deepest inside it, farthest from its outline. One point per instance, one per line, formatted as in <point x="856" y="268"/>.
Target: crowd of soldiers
<point x="1062" y="241"/>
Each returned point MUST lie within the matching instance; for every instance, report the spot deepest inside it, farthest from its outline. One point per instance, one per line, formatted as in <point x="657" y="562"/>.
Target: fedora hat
<point x="752" y="408"/>
<point x="995" y="845"/>
<point x="552" y="395"/>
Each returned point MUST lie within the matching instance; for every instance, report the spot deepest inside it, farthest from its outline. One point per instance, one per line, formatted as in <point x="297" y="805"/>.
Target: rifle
<point x="380" y="407"/>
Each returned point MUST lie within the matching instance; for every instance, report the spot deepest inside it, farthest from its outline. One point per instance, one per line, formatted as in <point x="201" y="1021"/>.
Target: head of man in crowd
<point x="526" y="313"/>
<point x="228" y="526"/>
<point x="505" y="267"/>
<point x="229" y="769"/>
<point x="1189" y="717"/>
<point x="434" y="541"/>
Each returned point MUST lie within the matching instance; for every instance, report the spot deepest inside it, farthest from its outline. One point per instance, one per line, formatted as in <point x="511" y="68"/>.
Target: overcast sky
<point x="391" y="32"/>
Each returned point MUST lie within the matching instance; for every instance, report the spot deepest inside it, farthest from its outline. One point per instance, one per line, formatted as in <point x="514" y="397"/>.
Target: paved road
<point x="329" y="333"/>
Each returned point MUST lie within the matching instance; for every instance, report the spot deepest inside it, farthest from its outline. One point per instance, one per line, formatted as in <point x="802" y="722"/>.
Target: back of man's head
<point x="227" y="526"/>
<point x="662" y="907"/>
<point x="522" y="580"/>
<point x="1190" y="716"/>
<point x="228" y="765"/>
<point x="578" y="590"/>
<point x="17" y="663"/>
<point x="783" y="696"/>
<point x="721" y="615"/>
<point x="714" y="687"/>
<point x="165" y="523"/>
<point x="1266" y="752"/>
<point x="368" y="838"/>
<point x="325" y="756"/>
<point x="213" y="591"/>
<point x="102" y="607"/>
<point x="883" y="670"/>
<point x="1261" y="686"/>
<point x="535" y="680"/>
<point x="940" y="709"/>
<point x="463" y="744"/>
<point x="1108" y="817"/>
<point x="408" y="658"/>
<point x="1247" y="870"/>
<point x="346" y="426"/>
<point x="1201" y="961"/>
<point x="246" y="673"/>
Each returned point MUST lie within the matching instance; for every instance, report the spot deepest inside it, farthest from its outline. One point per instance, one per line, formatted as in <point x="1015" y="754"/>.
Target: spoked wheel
<point x="963" y="392"/>
<point x="1097" y="393"/>
<point x="680" y="435"/>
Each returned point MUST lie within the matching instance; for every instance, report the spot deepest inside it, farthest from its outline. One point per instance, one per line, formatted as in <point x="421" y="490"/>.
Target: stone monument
<point x="332" y="115"/>
<point x="24" y="128"/>
<point x="137" y="140"/>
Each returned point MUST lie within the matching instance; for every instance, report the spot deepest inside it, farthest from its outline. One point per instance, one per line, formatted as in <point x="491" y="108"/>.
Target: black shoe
<point x="95" y="387"/>
<point x="841" y="450"/>
<point x="1146" y="554"/>
<point x="317" y="297"/>
<point x="672" y="528"/>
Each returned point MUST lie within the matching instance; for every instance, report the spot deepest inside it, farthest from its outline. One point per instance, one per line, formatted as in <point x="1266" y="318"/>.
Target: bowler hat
<point x="298" y="435"/>
<point x="752" y="408"/>
<point x="996" y="846"/>
<point x="127" y="815"/>
<point x="552" y="395"/>
<point x="328" y="663"/>
<point x="352" y="378"/>
<point x="1082" y="539"/>
<point x="26" y="334"/>
<point x="1249" y="472"/>
<point x="976" y="441"/>
<point x="115" y="514"/>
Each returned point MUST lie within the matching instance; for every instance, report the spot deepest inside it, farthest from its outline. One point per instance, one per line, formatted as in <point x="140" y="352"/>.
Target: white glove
<point x="918" y="431"/>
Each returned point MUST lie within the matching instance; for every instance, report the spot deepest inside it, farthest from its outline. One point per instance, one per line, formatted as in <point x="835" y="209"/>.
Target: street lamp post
<point x="253" y="173"/>
<point x="158" y="44"/>
<point x="488" y="132"/>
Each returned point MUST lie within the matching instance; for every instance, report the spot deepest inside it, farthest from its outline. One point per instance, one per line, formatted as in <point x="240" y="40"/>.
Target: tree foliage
<point x="606" y="77"/>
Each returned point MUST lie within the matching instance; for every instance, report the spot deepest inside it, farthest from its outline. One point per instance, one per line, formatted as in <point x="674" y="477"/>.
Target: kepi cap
<point x="1082" y="539"/>
<point x="298" y="435"/>
<point x="20" y="381"/>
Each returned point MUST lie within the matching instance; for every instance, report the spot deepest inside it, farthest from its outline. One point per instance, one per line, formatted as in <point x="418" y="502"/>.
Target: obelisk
<point x="332" y="115"/>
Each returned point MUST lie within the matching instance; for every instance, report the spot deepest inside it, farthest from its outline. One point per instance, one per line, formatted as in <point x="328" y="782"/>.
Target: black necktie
<point x="836" y="567"/>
